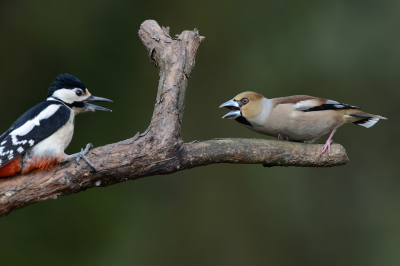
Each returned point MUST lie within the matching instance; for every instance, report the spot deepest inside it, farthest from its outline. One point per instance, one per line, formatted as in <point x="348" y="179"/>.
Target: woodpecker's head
<point x="71" y="91"/>
<point x="245" y="107"/>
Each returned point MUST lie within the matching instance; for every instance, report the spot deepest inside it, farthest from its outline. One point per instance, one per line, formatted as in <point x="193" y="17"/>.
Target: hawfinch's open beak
<point x="88" y="104"/>
<point x="234" y="107"/>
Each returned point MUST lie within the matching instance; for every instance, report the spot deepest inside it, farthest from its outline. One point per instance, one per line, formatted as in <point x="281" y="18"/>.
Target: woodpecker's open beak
<point x="234" y="107"/>
<point x="90" y="106"/>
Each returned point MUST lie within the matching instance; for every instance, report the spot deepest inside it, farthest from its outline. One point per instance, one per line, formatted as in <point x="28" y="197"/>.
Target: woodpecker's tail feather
<point x="363" y="119"/>
<point x="11" y="168"/>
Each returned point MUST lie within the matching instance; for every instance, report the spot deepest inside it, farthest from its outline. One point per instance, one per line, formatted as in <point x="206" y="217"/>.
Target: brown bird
<point x="296" y="118"/>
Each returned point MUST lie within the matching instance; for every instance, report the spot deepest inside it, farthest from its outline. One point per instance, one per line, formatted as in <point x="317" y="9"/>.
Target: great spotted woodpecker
<point x="39" y="137"/>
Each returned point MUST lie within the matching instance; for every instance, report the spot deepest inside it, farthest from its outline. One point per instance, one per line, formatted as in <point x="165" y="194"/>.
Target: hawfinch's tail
<point x="363" y="119"/>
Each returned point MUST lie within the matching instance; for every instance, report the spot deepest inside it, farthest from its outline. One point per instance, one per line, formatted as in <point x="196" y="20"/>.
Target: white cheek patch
<point x="67" y="96"/>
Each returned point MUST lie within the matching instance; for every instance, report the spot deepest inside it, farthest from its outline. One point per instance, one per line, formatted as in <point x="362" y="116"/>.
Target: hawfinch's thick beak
<point x="234" y="107"/>
<point x="88" y="104"/>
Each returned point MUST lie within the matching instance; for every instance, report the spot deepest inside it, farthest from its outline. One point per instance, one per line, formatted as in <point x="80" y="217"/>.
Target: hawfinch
<point x="296" y="118"/>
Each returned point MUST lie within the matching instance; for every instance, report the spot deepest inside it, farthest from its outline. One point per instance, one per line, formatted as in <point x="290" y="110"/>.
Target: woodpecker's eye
<point x="245" y="100"/>
<point x="79" y="92"/>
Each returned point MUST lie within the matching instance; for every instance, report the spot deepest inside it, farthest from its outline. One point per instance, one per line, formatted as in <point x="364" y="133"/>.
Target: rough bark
<point x="160" y="149"/>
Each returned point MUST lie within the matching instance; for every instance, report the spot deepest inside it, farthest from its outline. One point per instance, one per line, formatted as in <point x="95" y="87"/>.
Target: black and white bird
<point x="39" y="137"/>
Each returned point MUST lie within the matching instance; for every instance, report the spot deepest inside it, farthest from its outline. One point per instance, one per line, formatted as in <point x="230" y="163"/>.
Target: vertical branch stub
<point x="175" y="59"/>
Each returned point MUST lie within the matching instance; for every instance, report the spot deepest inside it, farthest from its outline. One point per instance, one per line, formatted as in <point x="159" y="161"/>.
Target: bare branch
<point x="160" y="149"/>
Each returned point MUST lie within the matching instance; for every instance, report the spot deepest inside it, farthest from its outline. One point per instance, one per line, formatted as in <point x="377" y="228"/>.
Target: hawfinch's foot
<point x="281" y="138"/>
<point x="328" y="144"/>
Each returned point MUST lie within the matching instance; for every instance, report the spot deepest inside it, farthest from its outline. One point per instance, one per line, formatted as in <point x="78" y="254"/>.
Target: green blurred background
<point x="221" y="214"/>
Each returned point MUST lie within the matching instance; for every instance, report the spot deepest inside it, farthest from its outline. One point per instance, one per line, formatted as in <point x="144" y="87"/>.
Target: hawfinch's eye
<point x="245" y="100"/>
<point x="79" y="92"/>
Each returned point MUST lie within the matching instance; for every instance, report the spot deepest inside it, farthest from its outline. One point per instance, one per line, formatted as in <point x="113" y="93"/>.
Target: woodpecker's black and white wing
<point x="32" y="127"/>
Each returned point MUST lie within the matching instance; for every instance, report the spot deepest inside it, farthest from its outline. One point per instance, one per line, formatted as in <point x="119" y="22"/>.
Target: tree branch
<point x="259" y="151"/>
<point x="160" y="149"/>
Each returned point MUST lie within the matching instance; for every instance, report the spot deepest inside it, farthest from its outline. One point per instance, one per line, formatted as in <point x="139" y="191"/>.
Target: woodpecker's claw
<point x="82" y="155"/>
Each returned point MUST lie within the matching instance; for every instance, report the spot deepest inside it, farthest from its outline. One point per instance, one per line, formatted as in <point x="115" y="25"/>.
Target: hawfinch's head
<point x="246" y="105"/>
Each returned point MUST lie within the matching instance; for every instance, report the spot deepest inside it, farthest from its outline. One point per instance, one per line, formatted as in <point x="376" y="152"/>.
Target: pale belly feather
<point x="298" y="125"/>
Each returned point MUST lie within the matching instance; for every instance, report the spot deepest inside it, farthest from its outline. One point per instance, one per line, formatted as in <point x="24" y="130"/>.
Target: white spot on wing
<point x="4" y="153"/>
<point x="4" y="142"/>
<point x="20" y="149"/>
<point x="332" y="102"/>
<point x="31" y="142"/>
<point x="303" y="105"/>
<point x="339" y="106"/>
<point x="30" y="124"/>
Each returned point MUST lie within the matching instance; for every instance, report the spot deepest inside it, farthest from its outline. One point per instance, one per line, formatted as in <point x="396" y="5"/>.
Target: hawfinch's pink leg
<point x="328" y="143"/>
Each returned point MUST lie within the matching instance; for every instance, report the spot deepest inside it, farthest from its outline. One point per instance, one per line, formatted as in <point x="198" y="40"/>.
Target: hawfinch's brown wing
<point x="307" y="103"/>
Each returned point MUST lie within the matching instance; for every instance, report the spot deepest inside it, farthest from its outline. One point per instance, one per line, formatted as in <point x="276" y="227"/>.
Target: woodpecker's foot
<point x="82" y="155"/>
